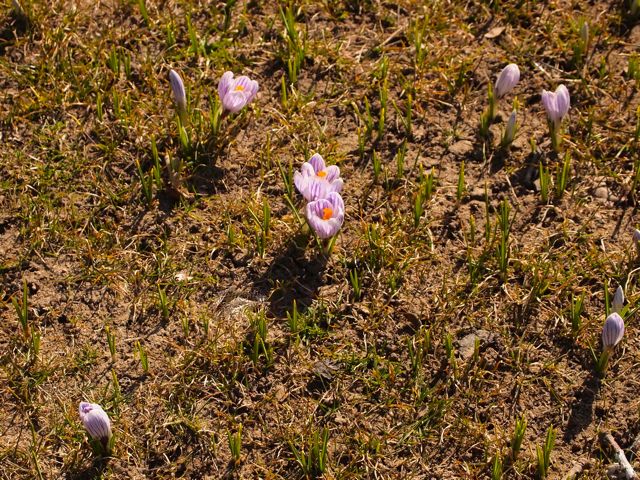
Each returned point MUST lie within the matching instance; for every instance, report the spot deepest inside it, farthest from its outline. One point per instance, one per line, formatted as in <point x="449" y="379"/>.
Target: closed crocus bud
<point x="326" y="215"/>
<point x="584" y="34"/>
<point x="236" y="93"/>
<point x="508" y="78"/>
<point x="510" y="129"/>
<point x="612" y="331"/>
<point x="316" y="180"/>
<point x="96" y="422"/>
<point x="17" y="8"/>
<point x="618" y="300"/>
<point x="556" y="104"/>
<point x="636" y="238"/>
<point x="179" y="94"/>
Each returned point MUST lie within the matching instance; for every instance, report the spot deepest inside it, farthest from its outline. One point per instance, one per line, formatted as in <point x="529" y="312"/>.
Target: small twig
<point x="392" y="37"/>
<point x="577" y="468"/>
<point x="626" y="468"/>
<point x="635" y="446"/>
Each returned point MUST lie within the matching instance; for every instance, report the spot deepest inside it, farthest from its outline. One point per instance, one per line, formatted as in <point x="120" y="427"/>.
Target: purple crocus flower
<point x="236" y="93"/>
<point x="612" y="331"/>
<point x="316" y="180"/>
<point x="179" y="95"/>
<point x="508" y="78"/>
<point x="326" y="215"/>
<point x="556" y="104"/>
<point x="96" y="422"/>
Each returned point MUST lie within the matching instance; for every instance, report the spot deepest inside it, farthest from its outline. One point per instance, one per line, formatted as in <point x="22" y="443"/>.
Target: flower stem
<point x="556" y="138"/>
<point x="603" y="362"/>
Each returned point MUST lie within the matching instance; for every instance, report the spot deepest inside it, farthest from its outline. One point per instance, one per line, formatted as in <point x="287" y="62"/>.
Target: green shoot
<point x="314" y="462"/>
<point x="235" y="445"/>
<point x="111" y="341"/>
<point x="22" y="309"/>
<point x="461" y="184"/>
<point x="518" y="437"/>
<point x="543" y="453"/>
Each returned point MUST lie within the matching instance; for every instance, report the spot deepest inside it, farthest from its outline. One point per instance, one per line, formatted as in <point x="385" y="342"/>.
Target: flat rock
<point x="461" y="147"/>
<point x="467" y="344"/>
<point x="601" y="192"/>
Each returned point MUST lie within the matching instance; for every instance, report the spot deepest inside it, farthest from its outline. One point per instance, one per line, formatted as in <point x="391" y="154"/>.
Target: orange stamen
<point x="322" y="173"/>
<point x="239" y="88"/>
<point x="327" y="213"/>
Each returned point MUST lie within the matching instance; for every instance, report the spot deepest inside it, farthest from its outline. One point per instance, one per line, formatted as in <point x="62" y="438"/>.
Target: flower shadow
<point x="95" y="470"/>
<point x="582" y="411"/>
<point x="294" y="274"/>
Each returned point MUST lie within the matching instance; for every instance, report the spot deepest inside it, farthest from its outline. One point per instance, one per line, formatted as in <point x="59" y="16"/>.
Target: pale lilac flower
<point x="326" y="215"/>
<point x="556" y="104"/>
<point x="179" y="95"/>
<point x="316" y="180"/>
<point x="618" y="300"/>
<point x="508" y="78"/>
<point x="612" y="331"/>
<point x="96" y="422"/>
<point x="235" y="93"/>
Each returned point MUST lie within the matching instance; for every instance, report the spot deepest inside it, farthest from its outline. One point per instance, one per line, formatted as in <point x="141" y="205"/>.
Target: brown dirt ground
<point x="75" y="227"/>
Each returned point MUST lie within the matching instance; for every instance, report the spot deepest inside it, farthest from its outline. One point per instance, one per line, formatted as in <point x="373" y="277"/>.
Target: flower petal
<point x="337" y="204"/>
<point x="234" y="101"/>
<point x="550" y="105"/>
<point x="563" y="101"/>
<point x="307" y="170"/>
<point x="318" y="162"/>
<point x="336" y="185"/>
<point x="315" y="189"/>
<point x="252" y="90"/>
<point x="300" y="181"/>
<point x="225" y="83"/>
<point x="333" y="172"/>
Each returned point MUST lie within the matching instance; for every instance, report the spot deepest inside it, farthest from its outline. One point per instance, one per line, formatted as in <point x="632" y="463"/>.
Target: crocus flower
<point x="508" y="78"/>
<point x="510" y="130"/>
<point x="235" y="93"/>
<point x="326" y="215"/>
<point x="612" y="331"/>
<point x="618" y="300"/>
<point x="556" y="104"/>
<point x="316" y="180"/>
<point x="179" y="95"/>
<point x="96" y="422"/>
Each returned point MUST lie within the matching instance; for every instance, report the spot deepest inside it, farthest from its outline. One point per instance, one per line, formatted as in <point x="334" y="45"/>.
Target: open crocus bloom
<point x="556" y="103"/>
<point x="326" y="215"/>
<point x="235" y="93"/>
<point x="315" y="180"/>
<point x="96" y="421"/>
